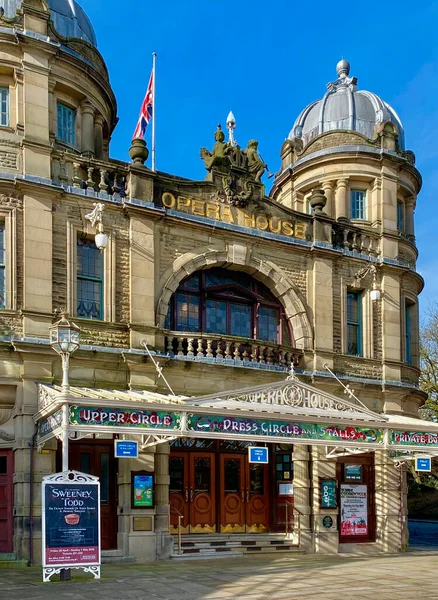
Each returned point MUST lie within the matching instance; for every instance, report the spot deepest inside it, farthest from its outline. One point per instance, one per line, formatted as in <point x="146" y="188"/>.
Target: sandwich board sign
<point x="70" y="523"/>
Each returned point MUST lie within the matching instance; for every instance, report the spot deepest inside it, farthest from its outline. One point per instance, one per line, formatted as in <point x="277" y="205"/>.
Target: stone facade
<point x="46" y="190"/>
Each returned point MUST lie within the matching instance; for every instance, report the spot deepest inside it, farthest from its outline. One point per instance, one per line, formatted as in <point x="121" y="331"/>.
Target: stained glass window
<point x="354" y="324"/>
<point x="4" y="106"/>
<point x="2" y="266"/>
<point x="187" y="312"/>
<point x="66" y="124"/>
<point x="90" y="280"/>
<point x="227" y="302"/>
<point x="215" y="316"/>
<point x="268" y="324"/>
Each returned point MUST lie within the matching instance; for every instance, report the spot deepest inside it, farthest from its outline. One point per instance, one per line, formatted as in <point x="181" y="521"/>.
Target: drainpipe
<point x="31" y="465"/>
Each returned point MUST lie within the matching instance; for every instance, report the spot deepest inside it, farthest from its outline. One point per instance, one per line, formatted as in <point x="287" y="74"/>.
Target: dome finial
<point x="343" y="68"/>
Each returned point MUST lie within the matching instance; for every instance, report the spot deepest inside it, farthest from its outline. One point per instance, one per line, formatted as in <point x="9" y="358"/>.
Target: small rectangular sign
<point x="125" y="449"/>
<point x="328" y="493"/>
<point x="423" y="464"/>
<point x="258" y="454"/>
<point x="353" y="472"/>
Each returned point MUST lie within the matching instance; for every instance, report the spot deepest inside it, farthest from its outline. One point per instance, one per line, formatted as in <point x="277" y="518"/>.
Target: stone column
<point x="98" y="136"/>
<point x="341" y="200"/>
<point x="409" y="216"/>
<point x="328" y="187"/>
<point x="87" y="129"/>
<point x="391" y="503"/>
<point x="164" y="540"/>
<point x="326" y="538"/>
<point x="300" y="457"/>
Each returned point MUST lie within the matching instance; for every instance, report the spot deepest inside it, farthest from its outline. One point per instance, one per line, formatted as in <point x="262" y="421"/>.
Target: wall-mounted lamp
<point x="375" y="293"/>
<point x="95" y="217"/>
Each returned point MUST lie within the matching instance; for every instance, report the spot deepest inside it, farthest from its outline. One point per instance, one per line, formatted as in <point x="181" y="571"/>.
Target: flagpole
<point x="154" y="60"/>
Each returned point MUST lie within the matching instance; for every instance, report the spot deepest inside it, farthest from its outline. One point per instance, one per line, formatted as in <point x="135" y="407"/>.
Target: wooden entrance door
<point x="232" y="493"/>
<point x="244" y="495"/>
<point x="192" y="491"/>
<point x="98" y="459"/>
<point x="6" y="501"/>
<point x="257" y="498"/>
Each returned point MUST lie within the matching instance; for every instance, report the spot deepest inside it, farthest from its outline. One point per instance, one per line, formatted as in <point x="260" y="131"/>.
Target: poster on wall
<point x="71" y="520"/>
<point x="354" y="509"/>
<point x="142" y="490"/>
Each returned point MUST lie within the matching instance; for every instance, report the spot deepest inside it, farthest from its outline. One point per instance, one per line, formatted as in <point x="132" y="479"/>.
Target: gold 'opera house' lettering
<point x="234" y="215"/>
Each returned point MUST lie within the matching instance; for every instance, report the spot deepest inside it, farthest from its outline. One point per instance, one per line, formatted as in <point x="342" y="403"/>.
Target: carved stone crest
<point x="236" y="172"/>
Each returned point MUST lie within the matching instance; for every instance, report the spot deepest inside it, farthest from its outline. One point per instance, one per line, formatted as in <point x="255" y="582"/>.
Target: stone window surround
<point x="10" y="81"/>
<point x="8" y="216"/>
<point x="367" y="331"/>
<point x="240" y="257"/>
<point x="332" y="187"/>
<point x="409" y="299"/>
<point x="75" y="228"/>
<point x="91" y="144"/>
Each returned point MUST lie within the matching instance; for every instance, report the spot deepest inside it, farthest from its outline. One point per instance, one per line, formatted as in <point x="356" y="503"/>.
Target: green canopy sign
<point x="127" y="417"/>
<point x="282" y="429"/>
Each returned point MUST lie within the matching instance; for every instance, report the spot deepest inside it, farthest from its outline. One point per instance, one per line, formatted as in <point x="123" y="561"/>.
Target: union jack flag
<point x="146" y="111"/>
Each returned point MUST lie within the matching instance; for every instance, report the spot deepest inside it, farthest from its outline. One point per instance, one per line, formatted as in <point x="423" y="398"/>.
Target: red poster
<point x="354" y="509"/>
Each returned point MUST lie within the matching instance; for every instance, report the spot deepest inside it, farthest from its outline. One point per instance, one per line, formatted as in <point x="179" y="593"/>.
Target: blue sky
<point x="266" y="62"/>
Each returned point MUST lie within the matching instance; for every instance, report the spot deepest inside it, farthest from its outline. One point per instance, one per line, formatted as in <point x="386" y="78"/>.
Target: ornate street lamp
<point x="64" y="339"/>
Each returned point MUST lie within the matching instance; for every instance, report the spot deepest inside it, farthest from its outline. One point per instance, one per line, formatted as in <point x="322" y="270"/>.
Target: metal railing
<point x="180" y="518"/>
<point x="288" y="507"/>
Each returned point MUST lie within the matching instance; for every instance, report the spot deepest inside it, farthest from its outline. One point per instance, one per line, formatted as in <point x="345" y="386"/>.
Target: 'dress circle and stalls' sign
<point x="71" y="529"/>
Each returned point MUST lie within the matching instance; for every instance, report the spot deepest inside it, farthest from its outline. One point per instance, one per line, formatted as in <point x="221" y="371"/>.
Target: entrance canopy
<point x="290" y="411"/>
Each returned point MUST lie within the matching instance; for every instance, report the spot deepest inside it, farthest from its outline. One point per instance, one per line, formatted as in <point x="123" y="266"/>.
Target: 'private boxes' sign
<point x="71" y="520"/>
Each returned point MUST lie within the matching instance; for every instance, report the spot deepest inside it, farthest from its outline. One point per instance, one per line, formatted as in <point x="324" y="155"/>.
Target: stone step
<point x="7" y="556"/>
<point x="115" y="556"/>
<point x="222" y="545"/>
<point x="215" y="556"/>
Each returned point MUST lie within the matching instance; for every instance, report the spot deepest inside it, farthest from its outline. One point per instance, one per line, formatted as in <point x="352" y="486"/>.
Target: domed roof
<point x="344" y="107"/>
<point x="68" y="18"/>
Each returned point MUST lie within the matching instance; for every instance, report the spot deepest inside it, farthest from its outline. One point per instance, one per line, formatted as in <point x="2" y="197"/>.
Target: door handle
<point x="247" y="495"/>
<point x="243" y="495"/>
<point x="186" y="495"/>
<point x="192" y="494"/>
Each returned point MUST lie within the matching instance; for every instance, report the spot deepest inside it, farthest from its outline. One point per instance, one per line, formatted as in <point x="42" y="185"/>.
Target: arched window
<point x="229" y="303"/>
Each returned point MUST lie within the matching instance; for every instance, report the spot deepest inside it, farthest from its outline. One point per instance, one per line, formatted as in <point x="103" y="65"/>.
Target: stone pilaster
<point x="98" y="136"/>
<point x="164" y="540"/>
<point x="409" y="216"/>
<point x="87" y="129"/>
<point x="341" y="199"/>
<point x="300" y="457"/>
<point x="391" y="503"/>
<point x="326" y="539"/>
<point x="328" y="187"/>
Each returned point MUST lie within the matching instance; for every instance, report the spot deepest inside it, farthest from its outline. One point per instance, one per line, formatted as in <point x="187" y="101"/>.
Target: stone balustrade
<point x="231" y="350"/>
<point x="89" y="174"/>
<point x="355" y="239"/>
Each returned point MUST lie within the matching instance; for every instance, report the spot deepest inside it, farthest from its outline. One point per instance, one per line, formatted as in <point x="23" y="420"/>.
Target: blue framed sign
<point x="125" y="449"/>
<point x="258" y="454"/>
<point x="423" y="464"/>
